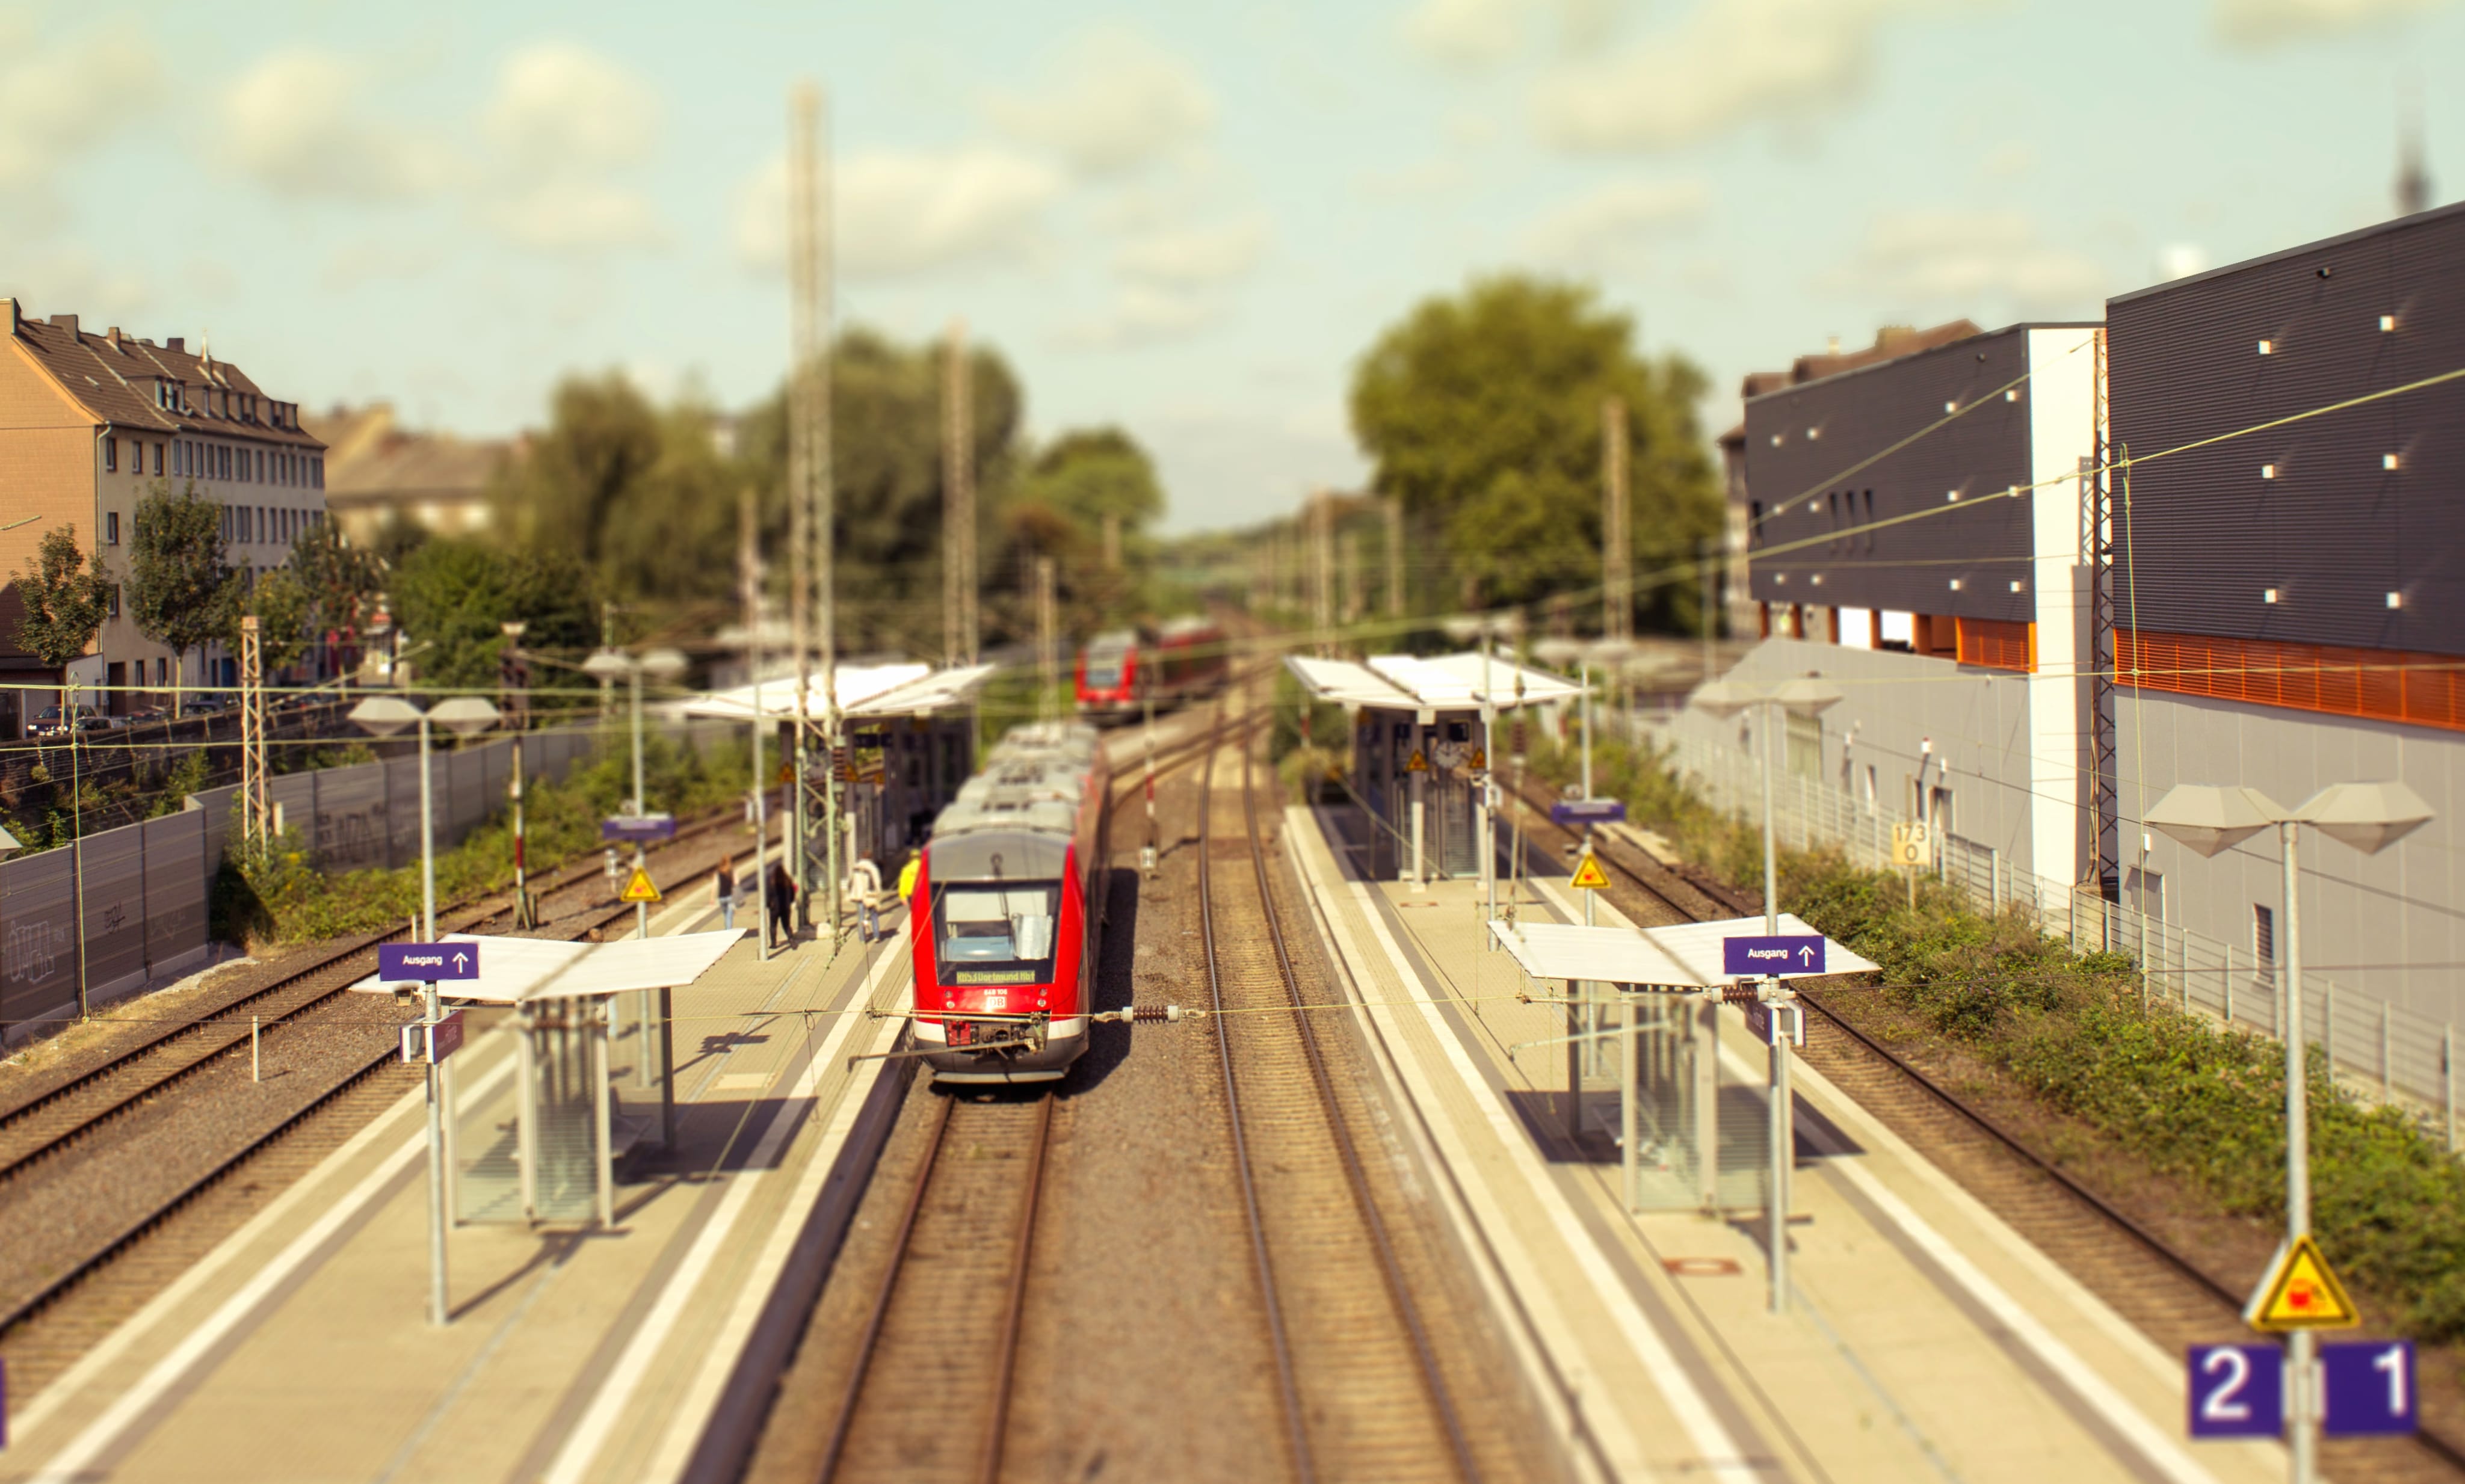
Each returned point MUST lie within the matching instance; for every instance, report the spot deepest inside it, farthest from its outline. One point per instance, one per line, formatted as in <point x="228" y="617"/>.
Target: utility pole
<point x="810" y="502"/>
<point x="1048" y="658"/>
<point x="958" y="502"/>
<point x="257" y="813"/>
<point x="1703" y="561"/>
<point x="1394" y="504"/>
<point x="1617" y="546"/>
<point x="748" y="582"/>
<point x="1321" y="550"/>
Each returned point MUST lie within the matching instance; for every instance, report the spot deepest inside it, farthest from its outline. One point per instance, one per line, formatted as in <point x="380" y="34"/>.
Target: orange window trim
<point x="2381" y="685"/>
<point x="1997" y="644"/>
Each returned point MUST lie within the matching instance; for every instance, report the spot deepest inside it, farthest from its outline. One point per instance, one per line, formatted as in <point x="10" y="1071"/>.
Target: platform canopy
<point x="1448" y="682"/>
<point x="522" y="970"/>
<point x="1686" y="957"/>
<point x="863" y="691"/>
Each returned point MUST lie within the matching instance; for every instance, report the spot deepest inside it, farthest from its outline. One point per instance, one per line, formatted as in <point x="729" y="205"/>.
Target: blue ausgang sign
<point x="639" y="827"/>
<point x="1790" y="953"/>
<point x="398" y="961"/>
<point x="1588" y="811"/>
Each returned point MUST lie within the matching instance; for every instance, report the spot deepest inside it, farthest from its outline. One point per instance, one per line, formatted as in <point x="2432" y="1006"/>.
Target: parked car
<point x="47" y="722"/>
<point x="211" y="704"/>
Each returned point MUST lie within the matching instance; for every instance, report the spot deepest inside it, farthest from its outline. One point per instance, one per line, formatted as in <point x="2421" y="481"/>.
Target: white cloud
<point x="1115" y="100"/>
<point x="900" y="211"/>
<point x="1466" y="32"/>
<point x="373" y="259"/>
<point x="1194" y="256"/>
<point x="1604" y="229"/>
<point x="563" y="125"/>
<point x="559" y="107"/>
<point x="58" y="102"/>
<point x="1727" y="62"/>
<point x="2261" y="23"/>
<point x="1968" y="262"/>
<point x="293" y="123"/>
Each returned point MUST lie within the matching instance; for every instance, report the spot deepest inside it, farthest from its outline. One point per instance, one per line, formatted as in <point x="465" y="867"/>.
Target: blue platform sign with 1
<point x="1790" y="953"/>
<point x="2237" y="1391"/>
<point x="2370" y="1387"/>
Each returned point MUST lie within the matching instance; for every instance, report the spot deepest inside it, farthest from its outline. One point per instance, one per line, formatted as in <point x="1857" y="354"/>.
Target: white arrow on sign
<point x="1806" y="956"/>
<point x="461" y="960"/>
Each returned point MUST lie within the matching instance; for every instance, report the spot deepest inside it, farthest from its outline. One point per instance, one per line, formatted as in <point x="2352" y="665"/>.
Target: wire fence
<point x="2373" y="1046"/>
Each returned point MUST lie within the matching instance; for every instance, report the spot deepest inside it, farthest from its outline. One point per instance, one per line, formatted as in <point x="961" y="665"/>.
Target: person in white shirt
<point x="864" y="884"/>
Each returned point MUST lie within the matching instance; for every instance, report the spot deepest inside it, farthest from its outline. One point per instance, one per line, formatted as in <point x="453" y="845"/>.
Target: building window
<point x="321" y="474"/>
<point x="2263" y="942"/>
<point x="115" y="600"/>
<point x="158" y="460"/>
<point x="111" y="455"/>
<point x="111" y="527"/>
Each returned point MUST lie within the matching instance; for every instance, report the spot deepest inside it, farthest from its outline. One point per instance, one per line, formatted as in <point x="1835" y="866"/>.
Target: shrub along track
<point x="2167" y="1293"/>
<point x="91" y="1251"/>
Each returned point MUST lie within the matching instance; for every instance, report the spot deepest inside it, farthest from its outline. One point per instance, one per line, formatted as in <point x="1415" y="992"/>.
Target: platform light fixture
<point x="2268" y="595"/>
<point x="2387" y="460"/>
<point x="2388" y="322"/>
<point x="2210" y="819"/>
<point x="2268" y="348"/>
<point x="2396" y="600"/>
<point x="2267" y="471"/>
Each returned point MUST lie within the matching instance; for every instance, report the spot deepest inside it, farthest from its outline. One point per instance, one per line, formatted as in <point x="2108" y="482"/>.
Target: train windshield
<point x="1104" y="667"/>
<point x="997" y="933"/>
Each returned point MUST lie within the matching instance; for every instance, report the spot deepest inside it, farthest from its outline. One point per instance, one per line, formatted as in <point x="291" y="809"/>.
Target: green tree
<point x="1482" y="411"/>
<point x="451" y="595"/>
<point x="178" y="589"/>
<point x="1092" y="472"/>
<point x="65" y="601"/>
<point x="282" y="605"/>
<point x="341" y="581"/>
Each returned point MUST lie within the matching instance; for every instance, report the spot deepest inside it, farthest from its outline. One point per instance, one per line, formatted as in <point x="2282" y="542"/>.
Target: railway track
<point x="2167" y="1293"/>
<point x="269" y="1159"/>
<point x="1362" y="1389"/>
<point x="928" y="1391"/>
<point x="54" y="1118"/>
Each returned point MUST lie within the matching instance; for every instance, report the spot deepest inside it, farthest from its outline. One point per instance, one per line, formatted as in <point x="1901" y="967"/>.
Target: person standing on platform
<point x="782" y="893"/>
<point x="907" y="875"/>
<point x="725" y="887"/>
<point x="864" y="884"/>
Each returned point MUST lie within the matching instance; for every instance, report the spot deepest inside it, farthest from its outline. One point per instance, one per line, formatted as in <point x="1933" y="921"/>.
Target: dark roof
<point x="110" y="375"/>
<point x="2358" y="234"/>
<point x="370" y="459"/>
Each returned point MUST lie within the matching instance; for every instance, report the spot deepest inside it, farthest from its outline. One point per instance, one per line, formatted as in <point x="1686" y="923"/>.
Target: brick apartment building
<point x="90" y="425"/>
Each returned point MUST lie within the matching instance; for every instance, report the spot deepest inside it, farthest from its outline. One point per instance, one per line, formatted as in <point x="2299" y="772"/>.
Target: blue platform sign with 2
<point x="2370" y="1387"/>
<point x="1790" y="953"/>
<point x="2237" y="1391"/>
<point x="398" y="963"/>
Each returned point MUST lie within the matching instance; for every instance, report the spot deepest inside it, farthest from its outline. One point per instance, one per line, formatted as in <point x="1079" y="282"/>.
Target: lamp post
<point x="1805" y="696"/>
<point x="515" y="686"/>
<point x="2210" y="819"/>
<point x="609" y="664"/>
<point x="464" y="716"/>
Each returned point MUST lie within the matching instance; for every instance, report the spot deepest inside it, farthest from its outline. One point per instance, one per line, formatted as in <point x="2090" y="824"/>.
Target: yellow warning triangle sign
<point x="1418" y="764"/>
<point x="1480" y="758"/>
<point x="638" y="887"/>
<point x="1589" y="877"/>
<point x="2301" y="1293"/>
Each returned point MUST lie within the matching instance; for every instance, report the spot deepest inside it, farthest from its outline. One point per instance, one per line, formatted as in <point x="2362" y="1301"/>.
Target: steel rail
<point x="59" y="1287"/>
<point x="1388" y="1265"/>
<point x="1286" y="1386"/>
<point x="845" y="1421"/>
<point x="222" y="1017"/>
<point x="1006" y="1349"/>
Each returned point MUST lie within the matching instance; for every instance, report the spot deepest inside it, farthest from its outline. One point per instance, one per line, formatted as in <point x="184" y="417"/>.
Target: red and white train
<point x="1008" y="911"/>
<point x="1119" y="673"/>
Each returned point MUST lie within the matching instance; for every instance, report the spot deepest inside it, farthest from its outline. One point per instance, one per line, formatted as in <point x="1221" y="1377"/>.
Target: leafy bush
<point x="2198" y="1102"/>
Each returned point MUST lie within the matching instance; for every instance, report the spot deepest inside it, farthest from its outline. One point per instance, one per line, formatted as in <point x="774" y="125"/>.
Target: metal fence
<point x="2371" y="1044"/>
<point x="136" y="897"/>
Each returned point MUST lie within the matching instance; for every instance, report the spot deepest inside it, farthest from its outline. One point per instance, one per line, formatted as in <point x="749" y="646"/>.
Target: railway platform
<point x="299" y="1349"/>
<point x="1926" y="1340"/>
